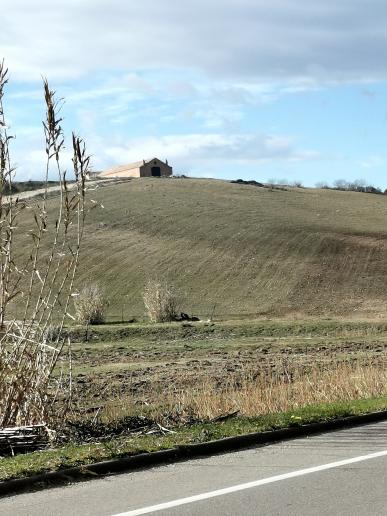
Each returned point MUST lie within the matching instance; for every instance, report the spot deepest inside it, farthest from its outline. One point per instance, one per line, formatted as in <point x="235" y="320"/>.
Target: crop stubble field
<point x="237" y="250"/>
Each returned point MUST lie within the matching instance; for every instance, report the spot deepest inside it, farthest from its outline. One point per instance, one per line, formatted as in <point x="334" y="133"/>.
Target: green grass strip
<point x="76" y="455"/>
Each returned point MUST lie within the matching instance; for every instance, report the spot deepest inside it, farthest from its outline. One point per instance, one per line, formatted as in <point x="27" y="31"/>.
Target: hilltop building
<point x="145" y="168"/>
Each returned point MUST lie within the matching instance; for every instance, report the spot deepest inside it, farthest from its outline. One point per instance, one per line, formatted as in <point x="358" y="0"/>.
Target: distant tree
<point x="323" y="185"/>
<point x="359" y="185"/>
<point x="340" y="184"/>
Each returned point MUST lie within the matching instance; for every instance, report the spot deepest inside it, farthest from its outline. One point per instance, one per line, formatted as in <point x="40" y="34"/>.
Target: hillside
<point x="241" y="249"/>
<point x="28" y="186"/>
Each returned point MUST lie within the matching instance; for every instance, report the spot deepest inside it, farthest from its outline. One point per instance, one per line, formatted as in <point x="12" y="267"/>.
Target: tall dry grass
<point x="252" y="395"/>
<point x="255" y="391"/>
<point x="43" y="283"/>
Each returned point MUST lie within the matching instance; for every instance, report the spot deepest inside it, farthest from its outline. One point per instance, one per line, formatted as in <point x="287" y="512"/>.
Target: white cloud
<point x="200" y="154"/>
<point x="373" y="162"/>
<point x="33" y="166"/>
<point x="203" y="148"/>
<point x="184" y="67"/>
<point x="259" y="40"/>
<point x="128" y="87"/>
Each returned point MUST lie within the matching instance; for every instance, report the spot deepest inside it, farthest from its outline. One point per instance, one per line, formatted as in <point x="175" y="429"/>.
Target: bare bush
<point x="42" y="283"/>
<point x="90" y="305"/>
<point x="161" y="301"/>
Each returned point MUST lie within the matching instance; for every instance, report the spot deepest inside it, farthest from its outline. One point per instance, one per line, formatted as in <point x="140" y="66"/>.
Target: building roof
<point x="123" y="168"/>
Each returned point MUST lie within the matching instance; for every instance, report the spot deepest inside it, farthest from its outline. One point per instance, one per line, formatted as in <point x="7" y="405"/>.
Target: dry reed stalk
<point x="46" y="281"/>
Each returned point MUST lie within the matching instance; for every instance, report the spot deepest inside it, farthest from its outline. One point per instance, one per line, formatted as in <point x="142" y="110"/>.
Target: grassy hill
<point x="245" y="250"/>
<point x="28" y="186"/>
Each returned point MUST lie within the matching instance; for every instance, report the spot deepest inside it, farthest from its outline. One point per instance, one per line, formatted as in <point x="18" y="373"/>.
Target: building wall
<point x="120" y="172"/>
<point x="146" y="170"/>
<point x="133" y="172"/>
<point x="139" y="169"/>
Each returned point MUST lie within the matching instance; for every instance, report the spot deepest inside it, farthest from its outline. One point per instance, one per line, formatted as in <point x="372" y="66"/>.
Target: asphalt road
<point x="337" y="473"/>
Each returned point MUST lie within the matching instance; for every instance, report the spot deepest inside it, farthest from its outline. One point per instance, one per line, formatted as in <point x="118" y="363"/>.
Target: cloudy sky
<point x="253" y="89"/>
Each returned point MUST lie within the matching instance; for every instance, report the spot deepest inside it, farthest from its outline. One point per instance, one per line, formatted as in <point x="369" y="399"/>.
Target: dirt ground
<point x="142" y="366"/>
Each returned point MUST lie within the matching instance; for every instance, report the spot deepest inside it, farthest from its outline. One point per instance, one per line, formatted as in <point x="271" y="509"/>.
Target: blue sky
<point x="290" y="90"/>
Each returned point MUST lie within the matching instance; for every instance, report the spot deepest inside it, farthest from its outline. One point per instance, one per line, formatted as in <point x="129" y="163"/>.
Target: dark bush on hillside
<point x="242" y="182"/>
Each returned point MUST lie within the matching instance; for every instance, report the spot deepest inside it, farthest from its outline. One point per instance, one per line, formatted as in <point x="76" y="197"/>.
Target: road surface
<point x="337" y="473"/>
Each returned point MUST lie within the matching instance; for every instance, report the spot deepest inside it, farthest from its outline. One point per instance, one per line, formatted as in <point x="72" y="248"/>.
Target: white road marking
<point x="249" y="485"/>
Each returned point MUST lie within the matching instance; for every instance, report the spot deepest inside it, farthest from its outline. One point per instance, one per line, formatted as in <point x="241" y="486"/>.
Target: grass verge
<point x="77" y="455"/>
<point x="226" y="329"/>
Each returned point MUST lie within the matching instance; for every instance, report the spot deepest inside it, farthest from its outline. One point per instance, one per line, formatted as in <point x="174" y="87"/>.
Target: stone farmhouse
<point x="145" y="168"/>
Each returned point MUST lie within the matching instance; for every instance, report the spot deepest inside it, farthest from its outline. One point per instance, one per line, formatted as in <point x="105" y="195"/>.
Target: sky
<point x="286" y="90"/>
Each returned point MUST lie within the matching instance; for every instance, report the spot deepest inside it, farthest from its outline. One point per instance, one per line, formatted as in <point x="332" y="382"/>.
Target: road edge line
<point x="250" y="485"/>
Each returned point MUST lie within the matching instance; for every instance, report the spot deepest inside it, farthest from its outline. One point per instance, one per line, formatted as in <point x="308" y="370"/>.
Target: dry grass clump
<point x="90" y="305"/>
<point x="161" y="301"/>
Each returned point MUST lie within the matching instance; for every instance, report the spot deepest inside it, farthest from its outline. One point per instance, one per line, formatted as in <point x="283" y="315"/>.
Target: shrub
<point x="90" y="305"/>
<point x="161" y="301"/>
